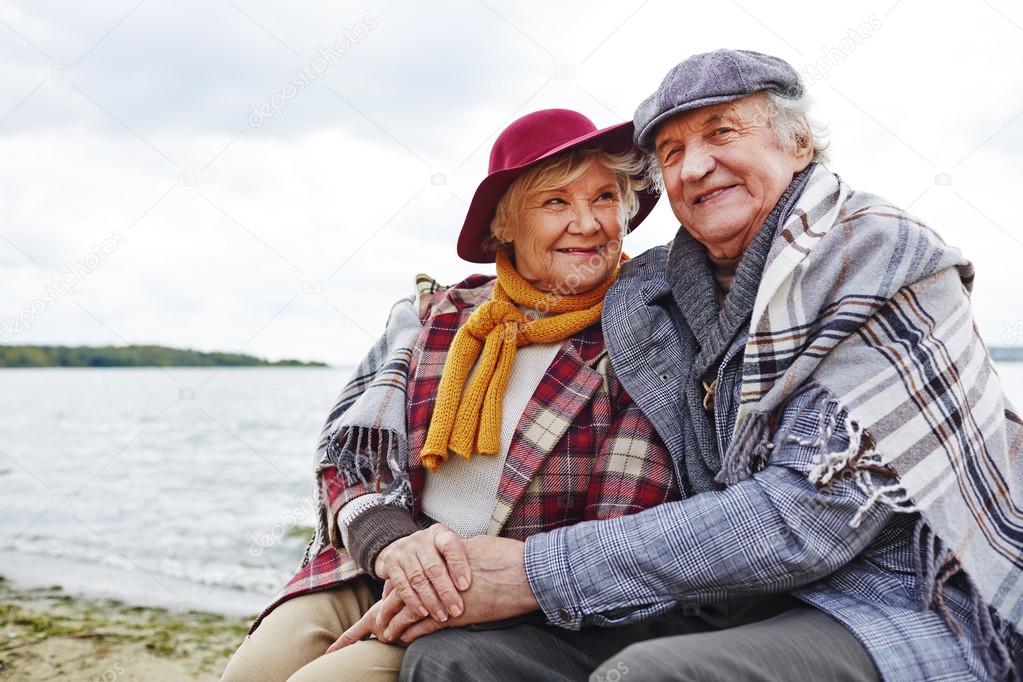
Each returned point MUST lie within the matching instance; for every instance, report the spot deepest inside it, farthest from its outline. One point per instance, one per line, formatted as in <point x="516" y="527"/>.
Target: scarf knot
<point x="494" y="314"/>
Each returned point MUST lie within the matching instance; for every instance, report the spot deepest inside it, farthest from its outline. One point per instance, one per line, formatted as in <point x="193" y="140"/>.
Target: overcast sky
<point x="164" y="181"/>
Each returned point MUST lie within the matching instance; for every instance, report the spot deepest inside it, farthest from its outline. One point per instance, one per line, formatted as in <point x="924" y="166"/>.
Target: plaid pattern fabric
<point x="861" y="355"/>
<point x="774" y="533"/>
<point x="365" y="429"/>
<point x="582" y="449"/>
<point x="892" y="337"/>
<point x="375" y="369"/>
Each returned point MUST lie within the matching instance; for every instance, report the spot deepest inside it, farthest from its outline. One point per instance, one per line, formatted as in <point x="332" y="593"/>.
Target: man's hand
<point x="374" y="621"/>
<point x="499" y="590"/>
<point x="424" y="569"/>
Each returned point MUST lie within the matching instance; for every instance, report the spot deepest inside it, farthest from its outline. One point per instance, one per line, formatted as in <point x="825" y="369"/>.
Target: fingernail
<point x="456" y="610"/>
<point x="463" y="583"/>
<point x="423" y="613"/>
<point x="441" y="616"/>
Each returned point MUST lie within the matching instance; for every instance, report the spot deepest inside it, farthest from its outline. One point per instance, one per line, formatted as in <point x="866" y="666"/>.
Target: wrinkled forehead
<point x="747" y="110"/>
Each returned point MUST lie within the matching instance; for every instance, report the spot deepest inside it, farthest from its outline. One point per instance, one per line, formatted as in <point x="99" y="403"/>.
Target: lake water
<point x="181" y="487"/>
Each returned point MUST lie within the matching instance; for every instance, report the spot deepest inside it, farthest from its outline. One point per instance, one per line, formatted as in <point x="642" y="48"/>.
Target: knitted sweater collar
<point x="708" y="332"/>
<point x="693" y="287"/>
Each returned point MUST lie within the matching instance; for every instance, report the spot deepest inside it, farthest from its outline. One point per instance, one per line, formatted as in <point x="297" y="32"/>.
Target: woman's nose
<point x="584" y="221"/>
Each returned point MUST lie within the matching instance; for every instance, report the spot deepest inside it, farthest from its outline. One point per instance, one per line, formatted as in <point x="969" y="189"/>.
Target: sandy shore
<point x="46" y="634"/>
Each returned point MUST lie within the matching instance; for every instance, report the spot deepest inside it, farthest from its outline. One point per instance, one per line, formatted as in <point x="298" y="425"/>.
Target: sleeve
<point x="345" y="499"/>
<point x="360" y="515"/>
<point x="633" y="470"/>
<point x="339" y="494"/>
<point x="771" y="533"/>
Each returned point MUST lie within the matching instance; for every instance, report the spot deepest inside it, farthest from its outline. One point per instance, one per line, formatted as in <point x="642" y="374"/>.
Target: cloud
<point x="291" y="238"/>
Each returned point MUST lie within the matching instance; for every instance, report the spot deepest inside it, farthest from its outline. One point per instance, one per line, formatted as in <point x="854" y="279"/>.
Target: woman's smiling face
<point x="569" y="239"/>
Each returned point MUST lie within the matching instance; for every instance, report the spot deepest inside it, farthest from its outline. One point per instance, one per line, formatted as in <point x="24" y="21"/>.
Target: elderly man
<point x="854" y="495"/>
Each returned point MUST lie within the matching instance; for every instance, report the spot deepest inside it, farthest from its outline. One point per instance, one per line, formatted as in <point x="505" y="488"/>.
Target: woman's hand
<point x="499" y="590"/>
<point x="424" y="569"/>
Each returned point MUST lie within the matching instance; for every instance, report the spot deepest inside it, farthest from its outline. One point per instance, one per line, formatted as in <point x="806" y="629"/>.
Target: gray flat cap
<point x="712" y="78"/>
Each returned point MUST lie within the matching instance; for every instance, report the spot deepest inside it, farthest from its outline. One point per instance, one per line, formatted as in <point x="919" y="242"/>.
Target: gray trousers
<point x="776" y="638"/>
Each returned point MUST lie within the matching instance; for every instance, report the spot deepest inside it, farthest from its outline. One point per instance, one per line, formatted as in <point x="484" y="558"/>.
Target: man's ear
<point x="804" y="146"/>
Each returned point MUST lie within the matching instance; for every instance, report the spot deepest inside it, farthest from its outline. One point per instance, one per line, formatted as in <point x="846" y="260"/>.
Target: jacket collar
<point x="567" y="386"/>
<point x="647" y="274"/>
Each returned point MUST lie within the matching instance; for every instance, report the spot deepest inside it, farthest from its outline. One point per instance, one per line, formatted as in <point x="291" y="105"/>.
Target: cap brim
<point x="476" y="228"/>
<point x="644" y="139"/>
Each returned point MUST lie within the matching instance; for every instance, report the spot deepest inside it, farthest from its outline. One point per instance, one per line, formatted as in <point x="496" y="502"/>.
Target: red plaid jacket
<point x="582" y="449"/>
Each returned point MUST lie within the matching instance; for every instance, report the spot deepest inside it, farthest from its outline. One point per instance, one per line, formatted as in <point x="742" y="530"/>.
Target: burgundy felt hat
<point x="527" y="141"/>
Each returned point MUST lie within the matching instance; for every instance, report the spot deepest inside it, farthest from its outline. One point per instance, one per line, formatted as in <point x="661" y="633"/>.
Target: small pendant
<point x="708" y="398"/>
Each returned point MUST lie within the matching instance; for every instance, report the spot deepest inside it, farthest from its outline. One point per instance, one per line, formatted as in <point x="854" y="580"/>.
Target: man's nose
<point x="696" y="165"/>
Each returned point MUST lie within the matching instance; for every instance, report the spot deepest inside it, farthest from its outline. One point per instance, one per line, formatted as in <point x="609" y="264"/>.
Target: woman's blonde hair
<point x="629" y="169"/>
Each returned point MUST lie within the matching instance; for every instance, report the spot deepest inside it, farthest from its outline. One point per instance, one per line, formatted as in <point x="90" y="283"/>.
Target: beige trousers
<point x="289" y="643"/>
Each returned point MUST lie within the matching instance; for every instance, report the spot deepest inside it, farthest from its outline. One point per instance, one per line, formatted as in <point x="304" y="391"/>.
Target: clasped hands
<point x="434" y="579"/>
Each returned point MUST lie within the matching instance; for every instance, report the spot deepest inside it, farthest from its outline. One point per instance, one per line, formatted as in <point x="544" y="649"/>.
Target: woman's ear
<point x="505" y="234"/>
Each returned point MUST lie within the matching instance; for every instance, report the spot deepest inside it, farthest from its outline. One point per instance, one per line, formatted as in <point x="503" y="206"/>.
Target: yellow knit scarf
<point x="469" y="421"/>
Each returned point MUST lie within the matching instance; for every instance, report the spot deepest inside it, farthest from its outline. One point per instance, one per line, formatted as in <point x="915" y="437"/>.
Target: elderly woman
<point x="509" y="375"/>
<point x="853" y="475"/>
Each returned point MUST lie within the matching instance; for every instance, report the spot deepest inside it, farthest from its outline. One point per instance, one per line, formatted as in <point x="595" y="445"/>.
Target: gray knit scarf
<point x="705" y="333"/>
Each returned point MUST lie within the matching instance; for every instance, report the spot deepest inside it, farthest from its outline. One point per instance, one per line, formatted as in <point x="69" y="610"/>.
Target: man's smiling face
<point x="724" y="170"/>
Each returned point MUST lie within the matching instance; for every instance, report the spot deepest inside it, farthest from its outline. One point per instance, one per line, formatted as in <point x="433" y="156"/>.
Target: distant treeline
<point x="1006" y="353"/>
<point x="131" y="356"/>
<point x="162" y="356"/>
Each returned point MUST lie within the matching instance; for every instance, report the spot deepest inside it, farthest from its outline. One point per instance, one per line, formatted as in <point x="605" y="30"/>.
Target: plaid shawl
<point x="366" y="425"/>
<point x="581" y="450"/>
<point x="861" y="299"/>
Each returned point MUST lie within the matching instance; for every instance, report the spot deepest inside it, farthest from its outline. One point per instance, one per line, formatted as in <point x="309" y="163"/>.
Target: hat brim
<point x="476" y="228"/>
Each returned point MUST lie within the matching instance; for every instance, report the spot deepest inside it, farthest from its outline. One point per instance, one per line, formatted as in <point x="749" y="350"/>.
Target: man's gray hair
<point x="791" y="120"/>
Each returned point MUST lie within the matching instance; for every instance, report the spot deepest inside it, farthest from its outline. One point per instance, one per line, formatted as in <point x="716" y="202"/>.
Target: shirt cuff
<point x="348" y="513"/>
<point x="550" y="578"/>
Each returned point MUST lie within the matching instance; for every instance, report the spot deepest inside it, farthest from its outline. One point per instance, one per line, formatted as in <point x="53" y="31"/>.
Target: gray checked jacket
<point x="772" y="533"/>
